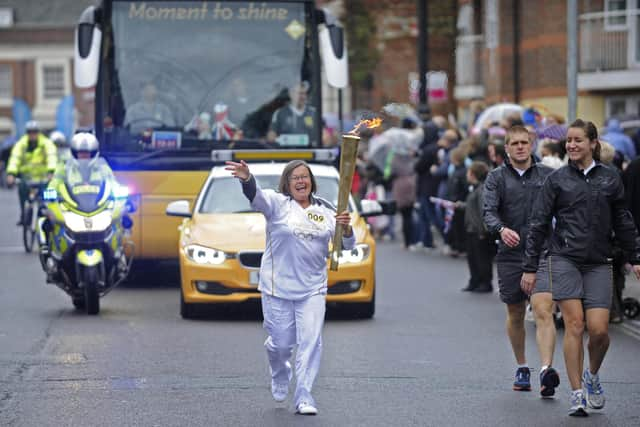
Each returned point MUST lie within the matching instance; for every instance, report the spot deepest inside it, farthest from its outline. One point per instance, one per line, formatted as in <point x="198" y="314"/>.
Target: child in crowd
<point x="481" y="249"/>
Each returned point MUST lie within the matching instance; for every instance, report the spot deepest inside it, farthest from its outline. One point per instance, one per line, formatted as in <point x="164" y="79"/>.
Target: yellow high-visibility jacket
<point x="36" y="163"/>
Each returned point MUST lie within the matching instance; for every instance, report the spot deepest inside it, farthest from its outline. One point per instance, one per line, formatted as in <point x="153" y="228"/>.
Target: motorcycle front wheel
<point x="91" y="294"/>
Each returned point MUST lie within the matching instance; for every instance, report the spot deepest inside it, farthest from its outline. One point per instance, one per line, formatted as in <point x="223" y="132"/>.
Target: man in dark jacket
<point x="427" y="186"/>
<point x="510" y="191"/>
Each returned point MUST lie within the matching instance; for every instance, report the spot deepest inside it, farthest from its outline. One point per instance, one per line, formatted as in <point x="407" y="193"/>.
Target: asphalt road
<point x="432" y="356"/>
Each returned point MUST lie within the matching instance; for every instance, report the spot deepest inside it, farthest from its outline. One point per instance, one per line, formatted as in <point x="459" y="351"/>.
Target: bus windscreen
<point x="189" y="75"/>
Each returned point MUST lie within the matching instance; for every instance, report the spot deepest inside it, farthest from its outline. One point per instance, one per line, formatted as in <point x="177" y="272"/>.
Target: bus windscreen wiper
<point x="153" y="154"/>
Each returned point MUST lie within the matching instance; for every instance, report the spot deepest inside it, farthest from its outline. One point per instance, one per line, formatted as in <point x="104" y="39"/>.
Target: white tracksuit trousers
<point x="289" y="323"/>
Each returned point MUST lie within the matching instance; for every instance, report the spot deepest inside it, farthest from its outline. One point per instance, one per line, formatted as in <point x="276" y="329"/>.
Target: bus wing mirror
<point x="88" y="39"/>
<point x="179" y="208"/>
<point x="334" y="52"/>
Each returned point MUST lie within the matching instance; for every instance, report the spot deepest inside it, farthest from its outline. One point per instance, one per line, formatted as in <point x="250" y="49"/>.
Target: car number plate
<point x="254" y="277"/>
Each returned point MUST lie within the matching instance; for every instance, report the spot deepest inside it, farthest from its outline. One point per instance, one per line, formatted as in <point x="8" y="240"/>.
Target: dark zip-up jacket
<point x="508" y="200"/>
<point x="587" y="209"/>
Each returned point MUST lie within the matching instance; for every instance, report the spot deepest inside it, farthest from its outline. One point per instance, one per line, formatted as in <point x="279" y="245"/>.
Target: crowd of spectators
<point x="434" y="169"/>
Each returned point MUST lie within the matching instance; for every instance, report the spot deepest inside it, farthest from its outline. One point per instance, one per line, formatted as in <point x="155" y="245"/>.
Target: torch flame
<point x="367" y="123"/>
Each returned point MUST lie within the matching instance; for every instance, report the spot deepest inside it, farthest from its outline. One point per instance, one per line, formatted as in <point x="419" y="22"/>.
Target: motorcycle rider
<point x="85" y="153"/>
<point x="33" y="157"/>
<point x="83" y="166"/>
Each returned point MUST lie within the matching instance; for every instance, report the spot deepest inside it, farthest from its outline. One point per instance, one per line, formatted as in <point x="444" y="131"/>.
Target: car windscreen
<point x="224" y="195"/>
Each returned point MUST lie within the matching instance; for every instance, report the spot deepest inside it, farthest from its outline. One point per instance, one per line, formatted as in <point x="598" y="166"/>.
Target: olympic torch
<point x="348" y="154"/>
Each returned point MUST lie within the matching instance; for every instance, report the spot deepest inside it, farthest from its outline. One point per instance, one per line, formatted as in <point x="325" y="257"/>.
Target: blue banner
<point x="21" y="115"/>
<point x="64" y="116"/>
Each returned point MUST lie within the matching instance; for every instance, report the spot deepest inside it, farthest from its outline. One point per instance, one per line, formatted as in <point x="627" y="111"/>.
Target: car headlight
<point x="353" y="256"/>
<point x="202" y="255"/>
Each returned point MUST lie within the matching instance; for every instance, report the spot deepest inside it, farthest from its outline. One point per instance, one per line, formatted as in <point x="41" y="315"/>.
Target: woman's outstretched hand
<point x="344" y="219"/>
<point x="239" y="170"/>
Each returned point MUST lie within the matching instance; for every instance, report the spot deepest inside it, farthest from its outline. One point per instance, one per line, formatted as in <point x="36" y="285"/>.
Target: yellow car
<point x="222" y="240"/>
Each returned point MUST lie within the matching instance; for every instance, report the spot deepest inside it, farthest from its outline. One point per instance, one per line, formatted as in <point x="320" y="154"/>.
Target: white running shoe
<point x="594" y="391"/>
<point x="578" y="404"/>
<point x="305" y="408"/>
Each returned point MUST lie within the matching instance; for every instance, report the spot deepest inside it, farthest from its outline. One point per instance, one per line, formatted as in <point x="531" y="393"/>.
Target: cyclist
<point x="33" y="157"/>
<point x="64" y="152"/>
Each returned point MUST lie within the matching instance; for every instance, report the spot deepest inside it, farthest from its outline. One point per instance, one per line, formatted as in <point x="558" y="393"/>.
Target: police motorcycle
<point x="85" y="246"/>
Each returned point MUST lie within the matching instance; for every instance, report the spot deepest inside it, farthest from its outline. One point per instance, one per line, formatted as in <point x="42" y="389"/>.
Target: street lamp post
<point x="572" y="59"/>
<point x="422" y="50"/>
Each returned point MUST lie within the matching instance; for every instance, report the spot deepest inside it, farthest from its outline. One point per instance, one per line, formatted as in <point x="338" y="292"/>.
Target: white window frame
<point x="616" y="27"/>
<point x="4" y="100"/>
<point x="41" y="101"/>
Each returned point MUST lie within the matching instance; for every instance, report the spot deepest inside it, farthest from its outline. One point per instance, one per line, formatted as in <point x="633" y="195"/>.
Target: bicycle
<point x="31" y="213"/>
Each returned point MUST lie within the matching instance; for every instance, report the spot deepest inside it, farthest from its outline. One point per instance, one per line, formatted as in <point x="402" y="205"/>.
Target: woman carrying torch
<point x="293" y="273"/>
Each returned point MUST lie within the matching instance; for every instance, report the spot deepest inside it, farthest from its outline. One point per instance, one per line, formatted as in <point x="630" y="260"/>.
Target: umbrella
<point x="555" y="132"/>
<point x="495" y="113"/>
<point x="402" y="141"/>
<point x="8" y="142"/>
<point x="402" y="111"/>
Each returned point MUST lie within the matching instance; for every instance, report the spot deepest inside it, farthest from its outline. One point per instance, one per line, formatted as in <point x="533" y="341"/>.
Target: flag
<point x="65" y="116"/>
<point x="21" y="115"/>
<point x="449" y="210"/>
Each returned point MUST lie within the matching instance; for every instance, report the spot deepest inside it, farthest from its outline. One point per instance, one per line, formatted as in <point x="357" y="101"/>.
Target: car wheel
<point x="631" y="307"/>
<point x="187" y="311"/>
<point x="364" y="310"/>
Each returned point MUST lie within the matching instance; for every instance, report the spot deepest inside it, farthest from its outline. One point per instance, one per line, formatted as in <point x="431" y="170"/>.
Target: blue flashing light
<point x="121" y="192"/>
<point x="50" y="195"/>
<point x="127" y="222"/>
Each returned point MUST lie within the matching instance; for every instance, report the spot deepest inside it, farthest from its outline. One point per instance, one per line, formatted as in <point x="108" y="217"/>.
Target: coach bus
<point x="177" y="80"/>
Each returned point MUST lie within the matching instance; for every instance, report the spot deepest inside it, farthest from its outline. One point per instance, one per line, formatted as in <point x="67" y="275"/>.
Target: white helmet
<point x="84" y="142"/>
<point x="58" y="138"/>
<point x="32" y="126"/>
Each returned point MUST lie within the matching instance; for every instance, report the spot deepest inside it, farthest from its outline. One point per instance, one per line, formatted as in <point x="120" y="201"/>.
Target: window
<point x="6" y="84"/>
<point x="616" y="17"/>
<point x="617" y="107"/>
<point x="622" y="106"/>
<point x="53" y="79"/>
<point x="52" y="82"/>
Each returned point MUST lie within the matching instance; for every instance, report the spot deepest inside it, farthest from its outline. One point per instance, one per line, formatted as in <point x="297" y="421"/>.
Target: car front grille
<point x="250" y="259"/>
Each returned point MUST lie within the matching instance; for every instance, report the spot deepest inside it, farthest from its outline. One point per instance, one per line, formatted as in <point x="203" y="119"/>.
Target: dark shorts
<point x="591" y="283"/>
<point x="509" y="278"/>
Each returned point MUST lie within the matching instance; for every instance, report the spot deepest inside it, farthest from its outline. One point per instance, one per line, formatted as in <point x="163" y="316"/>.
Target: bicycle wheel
<point x="28" y="229"/>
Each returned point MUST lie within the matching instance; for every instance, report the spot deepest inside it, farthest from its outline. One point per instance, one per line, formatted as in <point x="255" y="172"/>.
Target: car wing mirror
<point x="179" y="208"/>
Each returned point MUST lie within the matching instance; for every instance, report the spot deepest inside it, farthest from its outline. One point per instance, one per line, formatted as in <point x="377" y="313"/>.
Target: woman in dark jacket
<point x="586" y="198"/>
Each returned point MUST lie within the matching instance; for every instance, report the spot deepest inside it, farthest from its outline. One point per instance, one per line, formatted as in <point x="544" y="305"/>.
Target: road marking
<point x="631" y="328"/>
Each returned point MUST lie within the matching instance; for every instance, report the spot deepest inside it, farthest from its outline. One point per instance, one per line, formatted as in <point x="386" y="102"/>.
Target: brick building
<point x="36" y="53"/>
<point x="396" y="40"/>
<point x="492" y="33"/>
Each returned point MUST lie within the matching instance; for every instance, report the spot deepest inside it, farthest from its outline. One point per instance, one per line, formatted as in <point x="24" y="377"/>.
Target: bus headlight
<point x="202" y="255"/>
<point x="353" y="256"/>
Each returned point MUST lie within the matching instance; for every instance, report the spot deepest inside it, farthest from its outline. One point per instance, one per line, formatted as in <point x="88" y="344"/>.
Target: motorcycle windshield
<point x="85" y="186"/>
